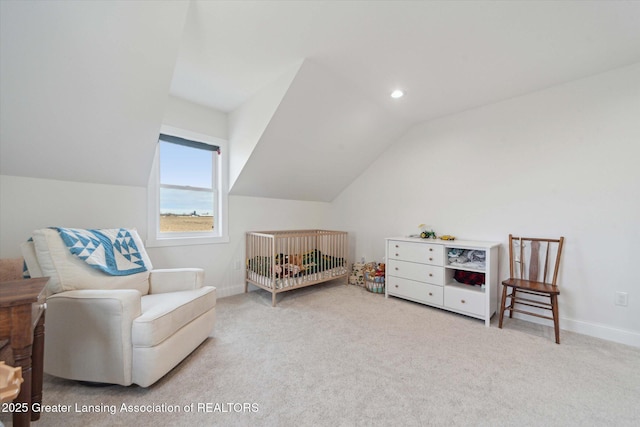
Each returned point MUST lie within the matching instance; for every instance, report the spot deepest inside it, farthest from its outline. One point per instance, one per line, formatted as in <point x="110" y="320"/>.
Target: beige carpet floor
<point x="336" y="355"/>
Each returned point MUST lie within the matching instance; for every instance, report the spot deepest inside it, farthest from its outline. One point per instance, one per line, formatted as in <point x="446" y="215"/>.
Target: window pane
<point x="187" y="198"/>
<point x="186" y="210"/>
<point x="185" y="166"/>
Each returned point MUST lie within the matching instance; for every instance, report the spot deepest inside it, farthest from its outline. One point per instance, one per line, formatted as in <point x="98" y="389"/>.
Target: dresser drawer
<point x="428" y="253"/>
<point x="416" y="291"/>
<point x="466" y="300"/>
<point x="414" y="271"/>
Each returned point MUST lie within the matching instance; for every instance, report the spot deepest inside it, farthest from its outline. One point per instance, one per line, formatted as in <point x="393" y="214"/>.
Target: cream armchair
<point x="129" y="329"/>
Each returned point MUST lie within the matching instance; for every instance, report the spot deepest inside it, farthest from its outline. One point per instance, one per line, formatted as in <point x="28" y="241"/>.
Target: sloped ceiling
<point x="321" y="137"/>
<point x="337" y="114"/>
<point x="84" y="86"/>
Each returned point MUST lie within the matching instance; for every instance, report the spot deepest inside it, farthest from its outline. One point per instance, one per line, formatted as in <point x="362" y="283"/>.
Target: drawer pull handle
<point x="430" y="294"/>
<point x="397" y="269"/>
<point x="430" y="259"/>
<point x="430" y="274"/>
<point x="397" y="246"/>
<point x="462" y="301"/>
<point x="396" y="286"/>
<point x="397" y="255"/>
<point x="430" y="249"/>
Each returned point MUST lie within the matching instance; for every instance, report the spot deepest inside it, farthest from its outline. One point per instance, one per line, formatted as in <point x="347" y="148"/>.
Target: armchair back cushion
<point x="68" y="272"/>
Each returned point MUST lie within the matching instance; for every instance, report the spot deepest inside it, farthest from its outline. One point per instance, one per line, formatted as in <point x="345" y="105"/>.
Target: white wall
<point x="563" y="161"/>
<point x="183" y="114"/>
<point x="27" y="204"/>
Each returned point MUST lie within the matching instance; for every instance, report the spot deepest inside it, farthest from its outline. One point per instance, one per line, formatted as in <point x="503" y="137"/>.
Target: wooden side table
<point x="22" y="323"/>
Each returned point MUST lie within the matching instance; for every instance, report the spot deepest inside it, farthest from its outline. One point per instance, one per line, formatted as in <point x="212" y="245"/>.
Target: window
<point x="187" y="185"/>
<point x="187" y="194"/>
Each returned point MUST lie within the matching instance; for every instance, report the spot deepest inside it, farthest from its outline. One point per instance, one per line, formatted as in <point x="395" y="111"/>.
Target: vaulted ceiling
<point x="84" y="84"/>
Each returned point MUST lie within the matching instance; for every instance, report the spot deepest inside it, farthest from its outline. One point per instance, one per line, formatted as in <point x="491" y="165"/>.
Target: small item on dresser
<point x="425" y="233"/>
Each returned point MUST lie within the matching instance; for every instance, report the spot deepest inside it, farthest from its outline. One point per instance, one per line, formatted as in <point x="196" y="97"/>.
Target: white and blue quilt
<point x="112" y="251"/>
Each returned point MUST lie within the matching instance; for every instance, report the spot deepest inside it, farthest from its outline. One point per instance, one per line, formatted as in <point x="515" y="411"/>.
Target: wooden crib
<point x="279" y="261"/>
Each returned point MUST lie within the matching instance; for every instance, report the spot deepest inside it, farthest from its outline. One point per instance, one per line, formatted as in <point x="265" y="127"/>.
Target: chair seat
<point x="164" y="314"/>
<point x="532" y="286"/>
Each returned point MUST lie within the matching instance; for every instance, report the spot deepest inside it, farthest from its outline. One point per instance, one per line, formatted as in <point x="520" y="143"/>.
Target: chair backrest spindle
<point x="557" y="266"/>
<point x="521" y="259"/>
<point x="546" y="262"/>
<point x="511" y="264"/>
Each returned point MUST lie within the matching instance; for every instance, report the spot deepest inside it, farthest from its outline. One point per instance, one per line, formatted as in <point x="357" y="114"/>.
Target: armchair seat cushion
<point x="165" y="314"/>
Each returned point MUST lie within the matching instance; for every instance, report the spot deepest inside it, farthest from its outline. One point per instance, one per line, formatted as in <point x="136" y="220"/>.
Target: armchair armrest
<point x="89" y="334"/>
<point x="175" y="279"/>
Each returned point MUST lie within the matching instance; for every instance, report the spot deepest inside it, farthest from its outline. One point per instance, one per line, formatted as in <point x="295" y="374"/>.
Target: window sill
<point x="184" y="241"/>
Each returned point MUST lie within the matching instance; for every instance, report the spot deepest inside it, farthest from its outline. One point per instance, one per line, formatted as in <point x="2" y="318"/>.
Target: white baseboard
<point x="601" y="331"/>
<point x="229" y="291"/>
<point x="591" y="329"/>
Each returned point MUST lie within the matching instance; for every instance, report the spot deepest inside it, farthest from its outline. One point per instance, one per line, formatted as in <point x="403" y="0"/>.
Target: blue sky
<point x="185" y="166"/>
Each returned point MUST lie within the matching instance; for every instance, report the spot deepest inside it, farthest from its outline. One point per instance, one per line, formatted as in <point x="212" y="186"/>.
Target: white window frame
<point x="220" y="234"/>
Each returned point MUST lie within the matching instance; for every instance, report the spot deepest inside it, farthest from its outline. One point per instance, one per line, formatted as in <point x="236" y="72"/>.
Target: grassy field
<point x="170" y="223"/>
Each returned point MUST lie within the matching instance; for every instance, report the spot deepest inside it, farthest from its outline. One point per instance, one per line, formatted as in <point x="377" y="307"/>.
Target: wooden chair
<point x="533" y="274"/>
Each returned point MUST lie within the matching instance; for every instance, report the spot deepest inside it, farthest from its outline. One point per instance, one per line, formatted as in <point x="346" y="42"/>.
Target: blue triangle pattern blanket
<point x="112" y="251"/>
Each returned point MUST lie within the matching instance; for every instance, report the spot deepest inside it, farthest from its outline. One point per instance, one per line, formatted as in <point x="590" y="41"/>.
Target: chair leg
<point x="556" y="319"/>
<point x="513" y="302"/>
<point x="504" y="301"/>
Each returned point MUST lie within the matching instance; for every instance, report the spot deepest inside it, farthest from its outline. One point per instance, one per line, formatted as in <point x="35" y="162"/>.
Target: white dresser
<point x="421" y="270"/>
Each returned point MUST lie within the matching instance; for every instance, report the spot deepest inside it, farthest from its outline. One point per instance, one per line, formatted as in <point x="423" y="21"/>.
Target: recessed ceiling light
<point x="397" y="94"/>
